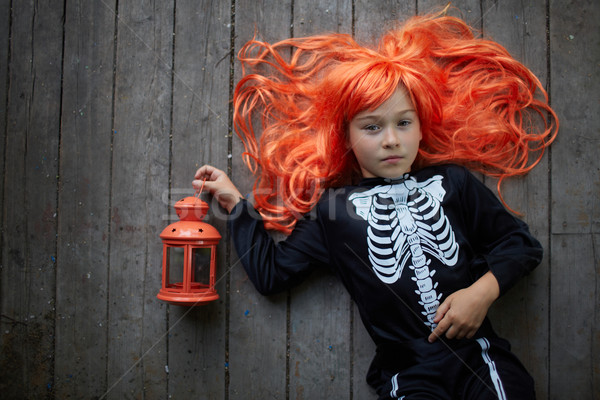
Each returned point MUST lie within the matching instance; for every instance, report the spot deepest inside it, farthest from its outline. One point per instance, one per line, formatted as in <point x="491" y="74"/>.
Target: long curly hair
<point x="477" y="105"/>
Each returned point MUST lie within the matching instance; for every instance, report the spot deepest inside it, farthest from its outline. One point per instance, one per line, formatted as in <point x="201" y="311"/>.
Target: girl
<point x="362" y="158"/>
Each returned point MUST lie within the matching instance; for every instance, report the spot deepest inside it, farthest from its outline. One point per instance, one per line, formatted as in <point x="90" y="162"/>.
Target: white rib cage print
<point x="407" y="226"/>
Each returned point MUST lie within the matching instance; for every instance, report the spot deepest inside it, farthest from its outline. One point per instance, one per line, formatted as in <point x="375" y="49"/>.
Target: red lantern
<point x="189" y="256"/>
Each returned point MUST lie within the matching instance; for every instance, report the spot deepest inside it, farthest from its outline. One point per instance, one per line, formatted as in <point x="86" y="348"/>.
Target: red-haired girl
<point x="362" y="159"/>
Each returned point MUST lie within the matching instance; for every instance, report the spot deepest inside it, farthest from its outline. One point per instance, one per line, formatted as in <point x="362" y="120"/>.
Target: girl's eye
<point x="404" y="123"/>
<point x="371" y="128"/>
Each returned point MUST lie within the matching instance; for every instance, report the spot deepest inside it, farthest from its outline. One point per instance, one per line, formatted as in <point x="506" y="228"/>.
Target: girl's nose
<point x="390" y="138"/>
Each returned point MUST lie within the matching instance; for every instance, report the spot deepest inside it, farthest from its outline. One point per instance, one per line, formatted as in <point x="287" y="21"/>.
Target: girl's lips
<point x="393" y="158"/>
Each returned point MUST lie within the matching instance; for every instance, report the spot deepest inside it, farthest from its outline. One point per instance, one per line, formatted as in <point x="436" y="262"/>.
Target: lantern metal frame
<point x="189" y="233"/>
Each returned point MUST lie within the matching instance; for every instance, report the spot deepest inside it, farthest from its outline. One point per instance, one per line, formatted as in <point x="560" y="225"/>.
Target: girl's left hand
<point x="462" y="313"/>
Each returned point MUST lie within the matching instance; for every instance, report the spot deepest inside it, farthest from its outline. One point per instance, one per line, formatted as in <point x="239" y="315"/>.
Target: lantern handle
<point x="199" y="192"/>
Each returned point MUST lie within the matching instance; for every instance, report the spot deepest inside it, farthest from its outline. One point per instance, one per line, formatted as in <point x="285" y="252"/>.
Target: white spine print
<point x="406" y="222"/>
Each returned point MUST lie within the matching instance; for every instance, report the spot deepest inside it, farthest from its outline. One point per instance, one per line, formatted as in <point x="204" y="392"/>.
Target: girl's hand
<point x="219" y="185"/>
<point x="462" y="313"/>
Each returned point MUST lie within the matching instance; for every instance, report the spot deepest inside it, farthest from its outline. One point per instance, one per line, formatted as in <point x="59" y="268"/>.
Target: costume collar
<point x="383" y="181"/>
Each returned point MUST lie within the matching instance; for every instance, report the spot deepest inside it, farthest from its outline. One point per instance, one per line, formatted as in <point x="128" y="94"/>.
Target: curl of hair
<point x="477" y="105"/>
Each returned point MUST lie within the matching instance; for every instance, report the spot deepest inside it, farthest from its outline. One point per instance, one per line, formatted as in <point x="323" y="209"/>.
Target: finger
<point x="439" y="331"/>
<point x="435" y="335"/>
<point x="205" y="174"/>
<point x="209" y="186"/>
<point x="199" y="183"/>
<point x="432" y="338"/>
<point x="457" y="331"/>
<point x="470" y="332"/>
<point x="441" y="311"/>
<point x="205" y="171"/>
<point x="453" y="333"/>
<point x="200" y="172"/>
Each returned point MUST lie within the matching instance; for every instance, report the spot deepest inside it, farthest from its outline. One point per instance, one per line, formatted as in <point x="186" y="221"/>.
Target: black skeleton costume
<point x="400" y="247"/>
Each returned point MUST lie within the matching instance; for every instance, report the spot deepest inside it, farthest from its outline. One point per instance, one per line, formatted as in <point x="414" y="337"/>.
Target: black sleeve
<point x="276" y="266"/>
<point x="502" y="240"/>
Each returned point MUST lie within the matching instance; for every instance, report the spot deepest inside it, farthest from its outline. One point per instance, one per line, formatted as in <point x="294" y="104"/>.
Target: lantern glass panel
<point x="201" y="257"/>
<point x="175" y="259"/>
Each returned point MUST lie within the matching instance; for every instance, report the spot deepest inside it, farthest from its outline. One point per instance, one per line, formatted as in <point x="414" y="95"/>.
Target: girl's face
<point x="386" y="140"/>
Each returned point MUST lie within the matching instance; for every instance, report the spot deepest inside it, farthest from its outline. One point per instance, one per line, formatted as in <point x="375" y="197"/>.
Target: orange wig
<point x="477" y="106"/>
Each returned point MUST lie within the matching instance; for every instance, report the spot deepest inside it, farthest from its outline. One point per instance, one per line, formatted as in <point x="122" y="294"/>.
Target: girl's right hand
<point x="219" y="185"/>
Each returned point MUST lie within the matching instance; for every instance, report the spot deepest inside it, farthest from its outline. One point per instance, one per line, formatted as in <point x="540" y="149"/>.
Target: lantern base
<point x="195" y="298"/>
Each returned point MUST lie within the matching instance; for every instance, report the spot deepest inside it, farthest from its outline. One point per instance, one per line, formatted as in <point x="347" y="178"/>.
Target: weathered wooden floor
<point x="107" y="109"/>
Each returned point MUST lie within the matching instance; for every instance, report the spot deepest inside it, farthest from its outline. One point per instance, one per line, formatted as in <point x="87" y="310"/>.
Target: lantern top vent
<point x="191" y="209"/>
<point x="191" y="229"/>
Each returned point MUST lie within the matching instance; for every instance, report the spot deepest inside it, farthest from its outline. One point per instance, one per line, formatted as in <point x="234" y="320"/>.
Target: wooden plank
<point x="4" y="60"/>
<point x="362" y="356"/>
<point x="5" y="18"/>
<point x="522" y="30"/>
<point x="197" y="337"/>
<point x="84" y="196"/>
<point x="137" y="319"/>
<point x="575" y="322"/>
<point x="320" y="309"/>
<point x="594" y="346"/>
<point x="29" y="203"/>
<point x="575" y="200"/>
<point x="258" y="334"/>
<point x="575" y="85"/>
